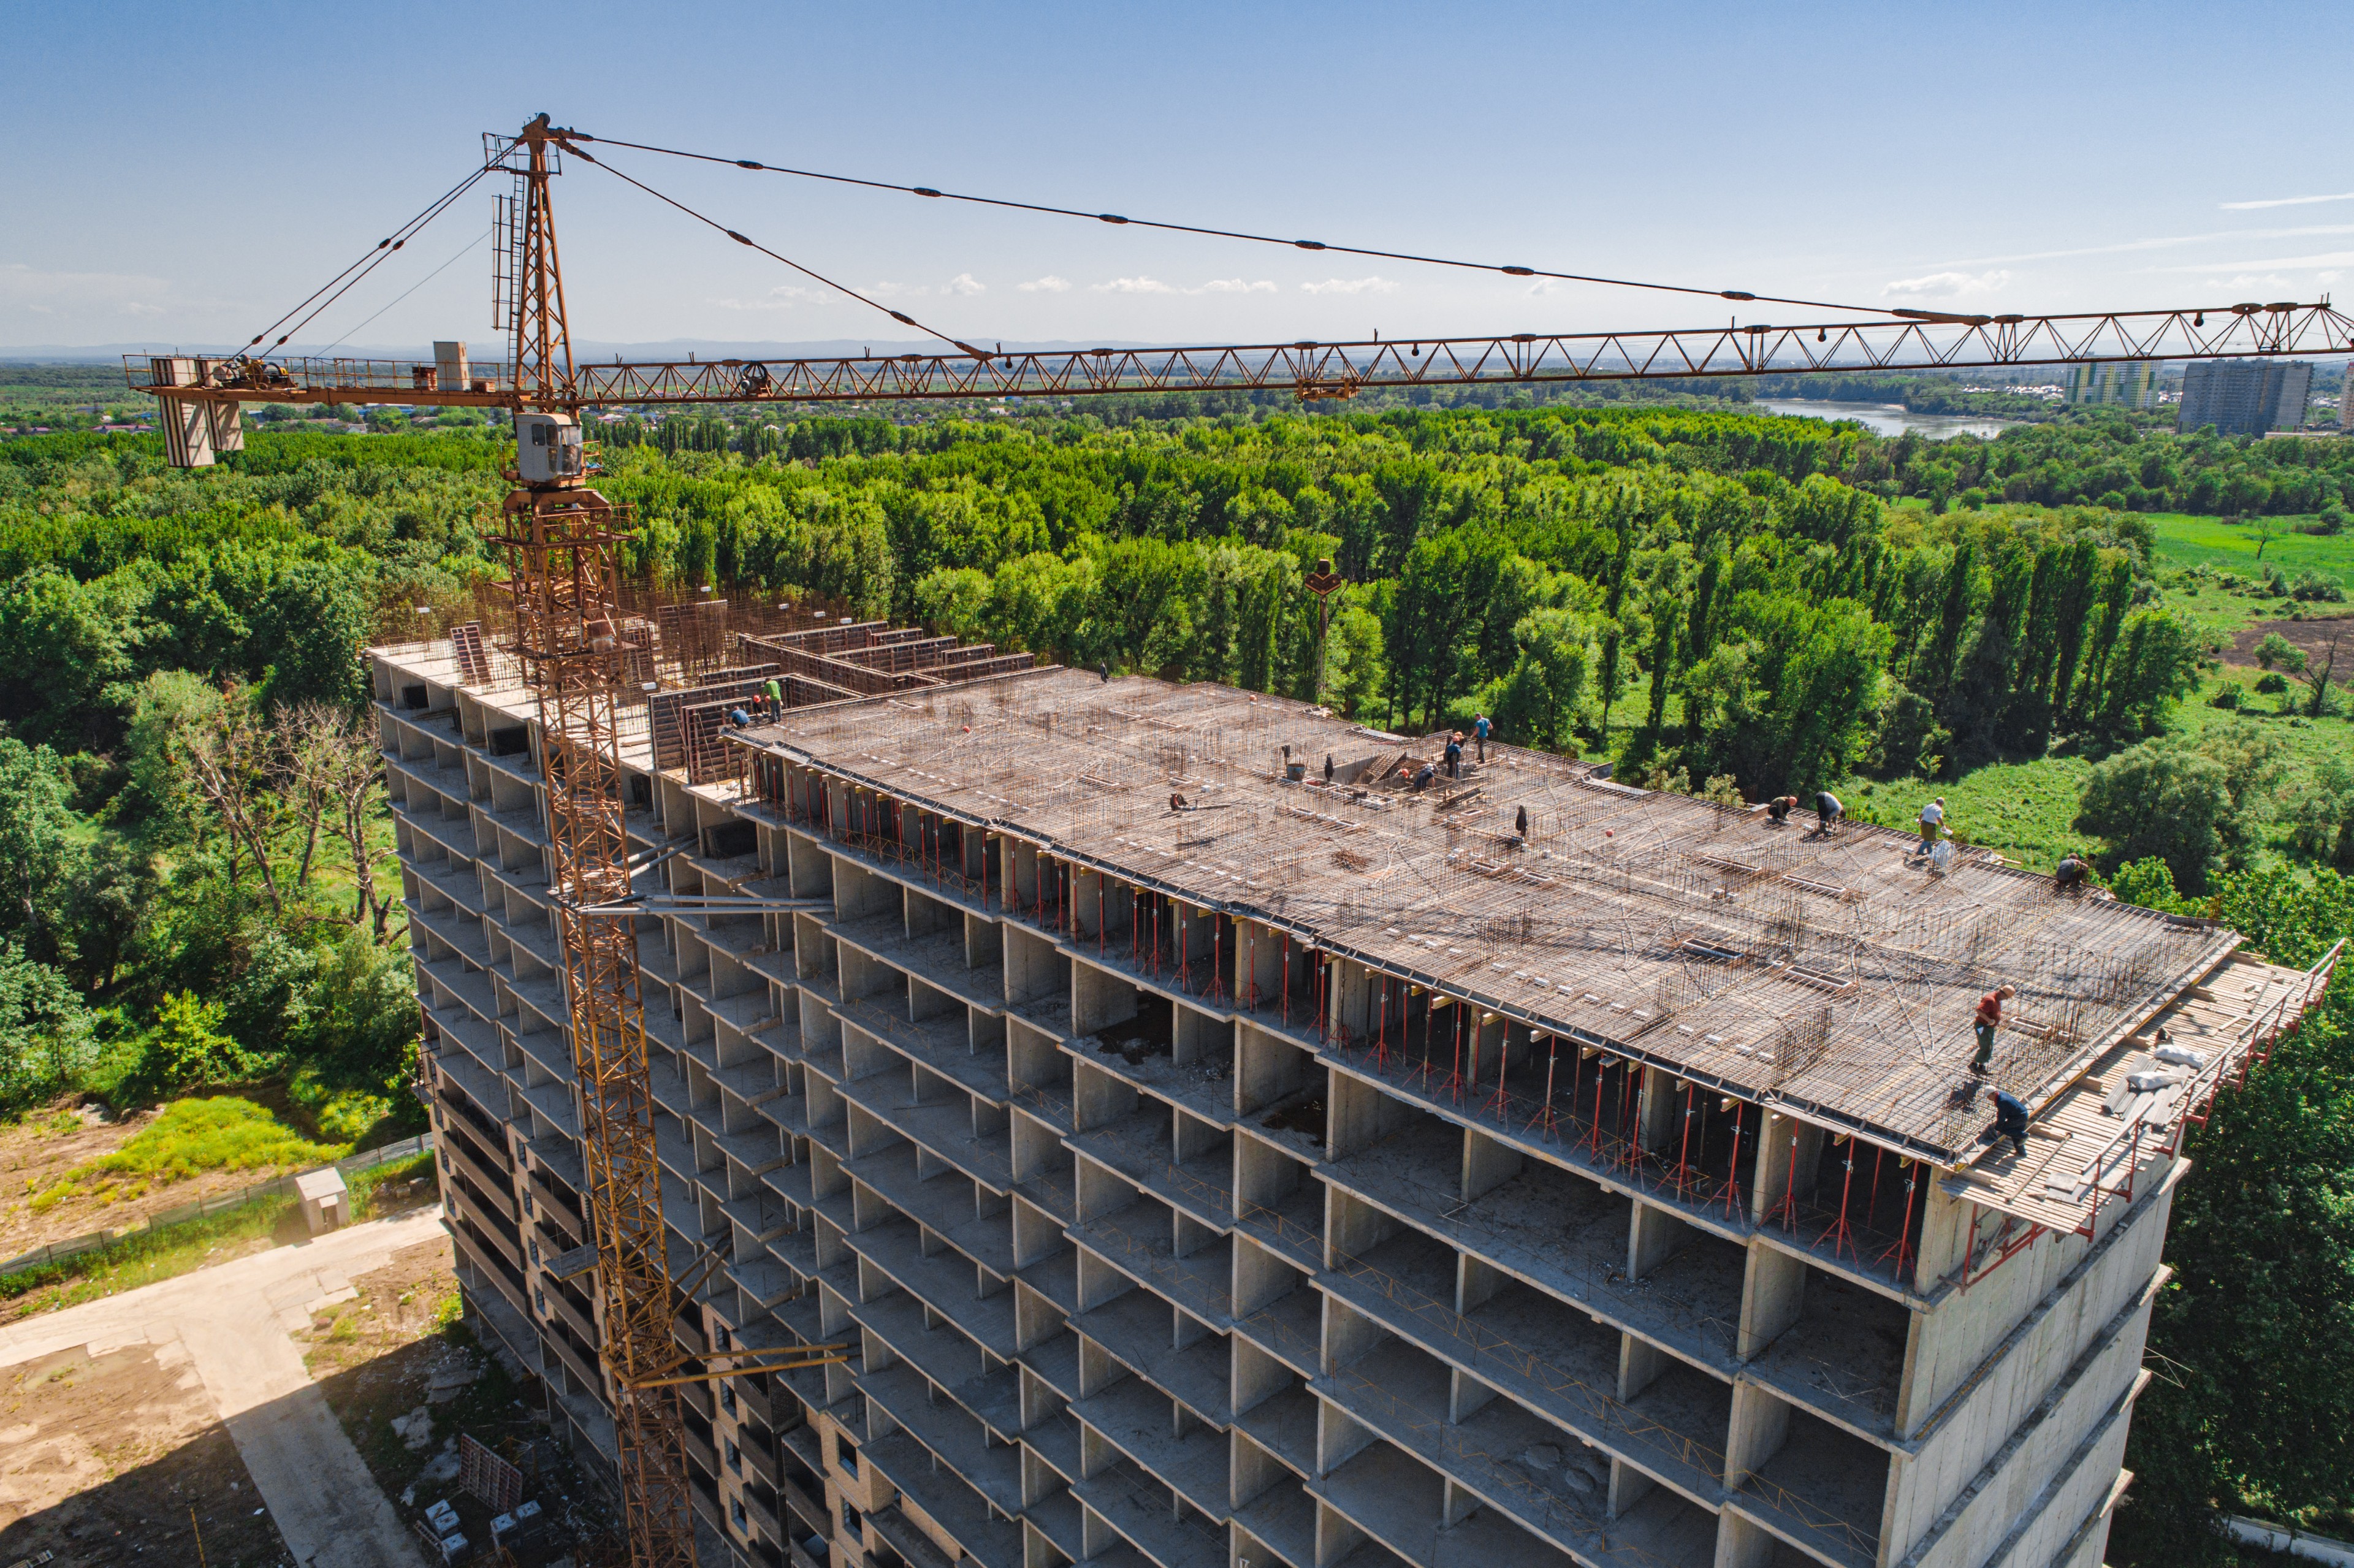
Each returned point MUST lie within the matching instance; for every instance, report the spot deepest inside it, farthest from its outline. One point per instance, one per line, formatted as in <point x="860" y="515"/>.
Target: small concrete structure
<point x="326" y="1201"/>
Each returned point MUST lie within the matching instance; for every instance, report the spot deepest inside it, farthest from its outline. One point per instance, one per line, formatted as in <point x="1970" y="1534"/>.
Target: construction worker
<point x="1521" y="823"/>
<point x="775" y="692"/>
<point x="1989" y="1020"/>
<point x="1104" y="672"/>
<point x="1779" y="808"/>
<point x="2072" y="874"/>
<point x="1827" y="811"/>
<point x="739" y="718"/>
<point x="1932" y="824"/>
<point x="1480" y="731"/>
<point x="2010" y="1121"/>
<point x="1422" y="780"/>
<point x="1454" y="754"/>
<point x="1328" y="768"/>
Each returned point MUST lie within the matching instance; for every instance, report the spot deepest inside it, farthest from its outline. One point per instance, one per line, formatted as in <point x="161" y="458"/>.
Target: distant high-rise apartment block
<point x="2128" y="385"/>
<point x="2244" y="396"/>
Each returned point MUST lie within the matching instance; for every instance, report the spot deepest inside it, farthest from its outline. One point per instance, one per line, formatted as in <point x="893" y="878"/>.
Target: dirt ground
<point x="36" y="1151"/>
<point x="2312" y="635"/>
<point x="119" y="1459"/>
<point x="398" y="1348"/>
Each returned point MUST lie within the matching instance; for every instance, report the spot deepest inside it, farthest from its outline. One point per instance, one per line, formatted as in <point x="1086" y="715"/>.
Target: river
<point x="1889" y="419"/>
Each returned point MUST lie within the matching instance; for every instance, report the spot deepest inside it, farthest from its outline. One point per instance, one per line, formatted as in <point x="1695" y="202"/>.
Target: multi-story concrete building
<point x="2131" y="384"/>
<point x="2244" y="396"/>
<point x="1216" y="1149"/>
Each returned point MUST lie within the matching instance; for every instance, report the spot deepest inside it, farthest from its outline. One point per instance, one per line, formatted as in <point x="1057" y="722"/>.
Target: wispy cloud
<point x="1351" y="286"/>
<point x="1141" y="285"/>
<point x="779" y="298"/>
<point x="1946" y="285"/>
<point x="2285" y="201"/>
<point x="1049" y="284"/>
<point x="2156" y="242"/>
<point x="2265" y="264"/>
<point x="962" y="283"/>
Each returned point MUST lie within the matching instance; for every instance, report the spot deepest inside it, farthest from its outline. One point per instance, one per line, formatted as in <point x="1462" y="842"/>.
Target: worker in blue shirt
<point x="2010" y="1121"/>
<point x="1454" y="755"/>
<point x="1480" y="731"/>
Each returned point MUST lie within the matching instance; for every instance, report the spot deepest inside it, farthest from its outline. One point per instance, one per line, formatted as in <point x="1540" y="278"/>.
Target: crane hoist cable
<point x="376" y="255"/>
<point x="1113" y="217"/>
<point x="412" y="288"/>
<point x="900" y="316"/>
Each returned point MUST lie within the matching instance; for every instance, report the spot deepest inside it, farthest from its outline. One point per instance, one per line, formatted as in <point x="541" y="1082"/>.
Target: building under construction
<point x="1214" y="1142"/>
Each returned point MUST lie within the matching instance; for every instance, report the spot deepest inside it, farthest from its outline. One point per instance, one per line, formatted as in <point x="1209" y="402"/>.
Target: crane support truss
<point x="1319" y="370"/>
<point x="562" y="540"/>
<point x="561" y="546"/>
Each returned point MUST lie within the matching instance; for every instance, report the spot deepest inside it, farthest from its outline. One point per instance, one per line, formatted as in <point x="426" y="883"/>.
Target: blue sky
<point x="184" y="173"/>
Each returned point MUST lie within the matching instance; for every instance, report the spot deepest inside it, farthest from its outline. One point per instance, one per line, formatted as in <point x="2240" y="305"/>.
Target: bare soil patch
<point x="118" y="1459"/>
<point x="2312" y="635"/>
<point x="36" y="1152"/>
<point x="397" y="1348"/>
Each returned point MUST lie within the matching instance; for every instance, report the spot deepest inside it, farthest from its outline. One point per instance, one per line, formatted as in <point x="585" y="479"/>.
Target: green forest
<point x="2038" y="627"/>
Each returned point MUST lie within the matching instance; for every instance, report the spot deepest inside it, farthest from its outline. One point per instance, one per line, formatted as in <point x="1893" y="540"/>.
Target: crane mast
<point x="561" y="537"/>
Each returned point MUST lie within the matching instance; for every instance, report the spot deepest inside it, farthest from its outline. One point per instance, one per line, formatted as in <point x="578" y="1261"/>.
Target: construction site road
<point x="234" y="1321"/>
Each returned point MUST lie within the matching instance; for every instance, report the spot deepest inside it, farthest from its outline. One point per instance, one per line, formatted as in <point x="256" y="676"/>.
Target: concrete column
<point x="1339" y="1438"/>
<point x="1772" y="1293"/>
<point x="1640" y="1364"/>
<point x="1348" y="1334"/>
<point x="1476" y="1283"/>
<point x="1741" y="1545"/>
<point x="1488" y="1163"/>
<point x="1259" y="1276"/>
<point x="1099" y="998"/>
<point x="1760" y="1422"/>
<point x="1357" y="1116"/>
<point x="1627" y="1487"/>
<point x="1466" y="1395"/>
<point x="1335" y="1536"/>
<point x="1654" y="1236"/>
<point x="1656" y="1110"/>
<point x="1251" y="1470"/>
<point x="1097" y="1096"/>
<point x="1788" y="1151"/>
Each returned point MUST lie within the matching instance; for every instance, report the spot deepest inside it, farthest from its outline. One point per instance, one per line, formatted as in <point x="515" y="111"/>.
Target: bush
<point x="2229" y="698"/>
<point x="2163" y="798"/>
<point x="2272" y="682"/>
<point x="2313" y="588"/>
<point x="45" y="1032"/>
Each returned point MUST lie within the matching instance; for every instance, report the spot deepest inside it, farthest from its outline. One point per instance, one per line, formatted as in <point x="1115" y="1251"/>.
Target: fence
<point x="73" y="1247"/>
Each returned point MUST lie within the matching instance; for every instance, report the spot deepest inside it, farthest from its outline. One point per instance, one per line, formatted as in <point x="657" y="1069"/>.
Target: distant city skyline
<point x="182" y="177"/>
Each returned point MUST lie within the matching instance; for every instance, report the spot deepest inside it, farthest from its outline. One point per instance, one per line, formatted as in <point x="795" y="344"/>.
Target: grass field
<point x="2186" y="541"/>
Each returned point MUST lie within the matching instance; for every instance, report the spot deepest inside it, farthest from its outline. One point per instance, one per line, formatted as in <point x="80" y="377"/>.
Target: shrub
<point x="2229" y="697"/>
<point x="2313" y="588"/>
<point x="2163" y="798"/>
<point x="45" y="1030"/>
<point x="2272" y="682"/>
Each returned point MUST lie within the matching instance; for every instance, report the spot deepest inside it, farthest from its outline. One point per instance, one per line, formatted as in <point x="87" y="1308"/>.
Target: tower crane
<point x="561" y="538"/>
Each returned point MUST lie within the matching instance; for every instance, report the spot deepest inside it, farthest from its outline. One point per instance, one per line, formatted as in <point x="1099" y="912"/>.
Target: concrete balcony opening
<point x="1037" y="975"/>
<point x="1806" y="1480"/>
<point x="1843" y="1352"/>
